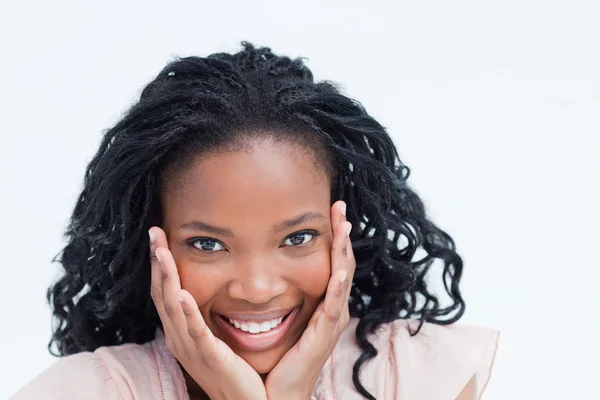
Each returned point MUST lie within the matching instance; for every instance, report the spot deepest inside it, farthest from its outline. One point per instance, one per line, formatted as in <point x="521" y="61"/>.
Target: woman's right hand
<point x="221" y="373"/>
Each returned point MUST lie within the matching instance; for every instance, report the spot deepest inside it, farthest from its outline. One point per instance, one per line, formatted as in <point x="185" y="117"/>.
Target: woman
<point x="247" y="233"/>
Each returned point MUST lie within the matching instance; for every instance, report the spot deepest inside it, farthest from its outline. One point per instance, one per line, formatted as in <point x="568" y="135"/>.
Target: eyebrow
<point x="202" y="226"/>
<point x="297" y="220"/>
<point x="278" y="227"/>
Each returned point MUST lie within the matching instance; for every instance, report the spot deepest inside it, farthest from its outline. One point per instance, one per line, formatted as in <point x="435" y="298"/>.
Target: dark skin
<point x="264" y="260"/>
<point x="255" y="267"/>
<point x="272" y="247"/>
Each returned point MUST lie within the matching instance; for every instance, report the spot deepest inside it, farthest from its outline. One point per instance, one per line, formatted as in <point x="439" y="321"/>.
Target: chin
<point x="264" y="362"/>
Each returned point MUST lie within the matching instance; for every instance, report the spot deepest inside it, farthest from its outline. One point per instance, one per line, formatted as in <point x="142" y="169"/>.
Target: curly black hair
<point x="204" y="104"/>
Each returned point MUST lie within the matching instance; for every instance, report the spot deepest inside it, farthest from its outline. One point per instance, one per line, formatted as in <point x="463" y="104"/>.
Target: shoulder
<point x="75" y="376"/>
<point x="437" y="363"/>
<point x="126" y="371"/>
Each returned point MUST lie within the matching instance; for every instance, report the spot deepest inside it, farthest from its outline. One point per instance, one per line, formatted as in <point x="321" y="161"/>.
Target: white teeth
<point x="265" y="326"/>
<point x="256" y="327"/>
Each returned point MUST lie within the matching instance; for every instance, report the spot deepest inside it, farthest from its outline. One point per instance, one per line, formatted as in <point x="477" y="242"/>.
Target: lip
<point x="257" y="341"/>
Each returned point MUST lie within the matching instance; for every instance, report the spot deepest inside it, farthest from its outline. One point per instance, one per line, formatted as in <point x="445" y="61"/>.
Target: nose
<point x="257" y="280"/>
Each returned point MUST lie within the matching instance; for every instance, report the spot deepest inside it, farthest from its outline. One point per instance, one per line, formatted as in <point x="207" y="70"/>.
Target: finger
<point x="339" y="247"/>
<point x="196" y="326"/>
<point x="211" y="350"/>
<point x="171" y="286"/>
<point x="317" y="313"/>
<point x="351" y="266"/>
<point x="333" y="305"/>
<point x="338" y="214"/>
<point x="157" y="239"/>
<point x="337" y="289"/>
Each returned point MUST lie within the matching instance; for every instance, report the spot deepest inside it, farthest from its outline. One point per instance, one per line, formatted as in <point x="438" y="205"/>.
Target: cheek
<point x="314" y="275"/>
<point x="200" y="282"/>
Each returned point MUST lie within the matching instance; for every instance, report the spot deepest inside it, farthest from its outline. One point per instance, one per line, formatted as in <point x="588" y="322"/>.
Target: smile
<point x="256" y="333"/>
<point x="256" y="327"/>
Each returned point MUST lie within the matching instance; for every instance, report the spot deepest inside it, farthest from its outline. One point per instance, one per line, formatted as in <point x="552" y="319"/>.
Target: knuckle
<point x="172" y="274"/>
<point x="155" y="295"/>
<point x="187" y="311"/>
<point x="347" y="284"/>
<point x="197" y="335"/>
<point x="340" y="290"/>
<point x="344" y="250"/>
<point x="334" y="316"/>
<point x="169" y="309"/>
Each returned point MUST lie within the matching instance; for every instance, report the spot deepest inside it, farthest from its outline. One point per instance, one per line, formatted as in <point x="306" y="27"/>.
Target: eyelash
<point x="314" y="234"/>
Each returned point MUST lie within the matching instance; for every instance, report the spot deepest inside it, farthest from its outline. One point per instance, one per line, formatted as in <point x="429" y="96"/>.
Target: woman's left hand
<point x="295" y="376"/>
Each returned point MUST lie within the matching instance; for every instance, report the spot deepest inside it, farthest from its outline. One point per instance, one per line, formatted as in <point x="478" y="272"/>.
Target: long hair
<point x="201" y="104"/>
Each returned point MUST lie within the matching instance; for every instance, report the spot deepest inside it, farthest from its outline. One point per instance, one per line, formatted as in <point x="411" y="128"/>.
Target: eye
<point x="300" y="238"/>
<point x="208" y="245"/>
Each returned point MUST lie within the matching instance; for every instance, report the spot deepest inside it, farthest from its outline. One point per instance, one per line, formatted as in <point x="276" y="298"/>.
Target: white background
<point x="494" y="106"/>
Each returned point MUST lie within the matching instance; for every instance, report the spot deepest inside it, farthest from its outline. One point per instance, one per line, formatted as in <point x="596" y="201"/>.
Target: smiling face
<point x="250" y="232"/>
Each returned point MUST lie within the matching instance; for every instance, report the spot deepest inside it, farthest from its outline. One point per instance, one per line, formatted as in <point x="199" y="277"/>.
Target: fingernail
<point x="158" y="256"/>
<point x="343" y="277"/>
<point x="343" y="209"/>
<point x="348" y="229"/>
<point x="152" y="236"/>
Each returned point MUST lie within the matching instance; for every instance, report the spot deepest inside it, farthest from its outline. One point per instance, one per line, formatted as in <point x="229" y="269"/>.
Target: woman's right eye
<point x="208" y="245"/>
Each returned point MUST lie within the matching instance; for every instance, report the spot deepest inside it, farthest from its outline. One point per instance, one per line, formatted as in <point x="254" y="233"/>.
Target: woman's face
<point x="250" y="232"/>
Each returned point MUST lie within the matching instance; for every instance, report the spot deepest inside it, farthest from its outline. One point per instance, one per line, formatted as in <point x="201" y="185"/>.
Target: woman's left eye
<point x="299" y="239"/>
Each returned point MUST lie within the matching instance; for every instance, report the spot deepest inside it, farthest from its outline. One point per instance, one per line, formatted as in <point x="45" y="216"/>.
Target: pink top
<point x="436" y="364"/>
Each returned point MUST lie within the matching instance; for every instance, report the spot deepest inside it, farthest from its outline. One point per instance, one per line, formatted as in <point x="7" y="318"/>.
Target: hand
<point x="210" y="362"/>
<point x="295" y="376"/>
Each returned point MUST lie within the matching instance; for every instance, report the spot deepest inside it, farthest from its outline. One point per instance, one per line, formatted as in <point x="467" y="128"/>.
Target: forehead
<point x="261" y="183"/>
